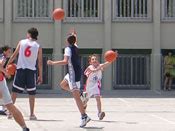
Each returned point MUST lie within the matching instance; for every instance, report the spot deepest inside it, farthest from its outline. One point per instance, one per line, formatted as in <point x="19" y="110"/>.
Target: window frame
<point x="132" y="19"/>
<point x="2" y="17"/>
<point x="48" y="53"/>
<point x="81" y="19"/>
<point x="165" y="18"/>
<point x="32" y="19"/>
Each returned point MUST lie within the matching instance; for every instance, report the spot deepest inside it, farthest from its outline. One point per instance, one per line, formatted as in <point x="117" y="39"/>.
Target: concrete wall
<point x="132" y="35"/>
<point x="46" y="33"/>
<point x="89" y="35"/>
<point x="1" y="33"/>
<point x="167" y="35"/>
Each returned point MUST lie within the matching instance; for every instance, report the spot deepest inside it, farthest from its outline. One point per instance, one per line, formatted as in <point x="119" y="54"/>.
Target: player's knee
<point x="32" y="93"/>
<point x="61" y="84"/>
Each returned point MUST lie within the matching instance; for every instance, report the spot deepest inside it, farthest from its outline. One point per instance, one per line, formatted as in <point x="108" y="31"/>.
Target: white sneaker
<point x="84" y="121"/>
<point x="33" y="117"/>
<point x="101" y="115"/>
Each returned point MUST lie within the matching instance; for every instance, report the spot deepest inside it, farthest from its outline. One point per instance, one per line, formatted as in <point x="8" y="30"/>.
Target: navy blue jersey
<point x="74" y="65"/>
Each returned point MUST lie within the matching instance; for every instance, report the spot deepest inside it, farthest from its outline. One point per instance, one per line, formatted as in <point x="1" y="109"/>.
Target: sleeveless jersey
<point x="93" y="78"/>
<point x="28" y="54"/>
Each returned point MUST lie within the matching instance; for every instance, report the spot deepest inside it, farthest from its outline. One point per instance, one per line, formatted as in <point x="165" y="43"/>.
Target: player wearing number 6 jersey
<point x="29" y="53"/>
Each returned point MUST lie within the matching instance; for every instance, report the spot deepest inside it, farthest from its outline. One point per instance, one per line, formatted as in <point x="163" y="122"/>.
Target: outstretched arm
<point x="100" y="67"/>
<point x="62" y="62"/>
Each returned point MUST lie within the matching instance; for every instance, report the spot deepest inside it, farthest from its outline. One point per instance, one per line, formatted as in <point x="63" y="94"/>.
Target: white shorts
<point x="93" y="91"/>
<point x="6" y="97"/>
<point x="72" y="85"/>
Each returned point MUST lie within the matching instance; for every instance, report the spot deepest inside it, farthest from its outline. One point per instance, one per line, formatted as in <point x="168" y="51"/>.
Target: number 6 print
<point x="28" y="51"/>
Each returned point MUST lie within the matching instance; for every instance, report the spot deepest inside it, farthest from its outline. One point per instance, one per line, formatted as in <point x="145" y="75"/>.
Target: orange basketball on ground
<point x="110" y="55"/>
<point x="58" y="14"/>
<point x="11" y="69"/>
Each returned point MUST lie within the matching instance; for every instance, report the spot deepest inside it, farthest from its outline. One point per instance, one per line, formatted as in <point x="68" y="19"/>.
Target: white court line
<point x="164" y="119"/>
<point x="4" y="127"/>
<point x="125" y="101"/>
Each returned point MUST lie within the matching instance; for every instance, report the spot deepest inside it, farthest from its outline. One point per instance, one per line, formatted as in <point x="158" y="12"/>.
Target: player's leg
<point x="170" y="83"/>
<point x="11" y="108"/>
<point x="84" y="98"/>
<point x="101" y="114"/>
<point x="18" y="86"/>
<point x="76" y="95"/>
<point x="167" y="75"/>
<point x="75" y="89"/>
<point x="32" y="106"/>
<point x="95" y="91"/>
<point x="64" y="85"/>
<point x="31" y="89"/>
<point x="84" y="118"/>
<point x="17" y="116"/>
<point x="14" y="96"/>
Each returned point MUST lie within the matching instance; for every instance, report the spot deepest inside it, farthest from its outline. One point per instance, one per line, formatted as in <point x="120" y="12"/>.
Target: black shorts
<point x="25" y="79"/>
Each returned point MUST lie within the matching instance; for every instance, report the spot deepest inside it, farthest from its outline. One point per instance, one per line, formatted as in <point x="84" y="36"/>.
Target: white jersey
<point x="28" y="54"/>
<point x="93" y="82"/>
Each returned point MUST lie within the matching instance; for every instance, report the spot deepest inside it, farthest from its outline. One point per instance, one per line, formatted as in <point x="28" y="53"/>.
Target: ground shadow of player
<point x="45" y="120"/>
<point x="93" y="128"/>
<point x="126" y="122"/>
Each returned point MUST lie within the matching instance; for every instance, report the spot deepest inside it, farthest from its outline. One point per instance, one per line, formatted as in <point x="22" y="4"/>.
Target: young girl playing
<point x="93" y="82"/>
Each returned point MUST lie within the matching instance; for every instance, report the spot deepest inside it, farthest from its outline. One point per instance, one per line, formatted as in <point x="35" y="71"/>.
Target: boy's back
<point x="74" y="62"/>
<point x="28" y="54"/>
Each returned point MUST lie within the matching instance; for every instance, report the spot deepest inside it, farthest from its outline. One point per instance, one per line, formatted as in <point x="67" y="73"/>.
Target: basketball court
<point x="125" y="111"/>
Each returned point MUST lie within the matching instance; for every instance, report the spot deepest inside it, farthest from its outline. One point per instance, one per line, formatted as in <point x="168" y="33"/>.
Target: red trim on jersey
<point x="1" y="76"/>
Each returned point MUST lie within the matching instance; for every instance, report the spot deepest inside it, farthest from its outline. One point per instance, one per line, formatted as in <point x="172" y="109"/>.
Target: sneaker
<point x="2" y="112"/>
<point x="84" y="121"/>
<point x="33" y="117"/>
<point x="84" y="99"/>
<point x="101" y="115"/>
<point x="26" y="129"/>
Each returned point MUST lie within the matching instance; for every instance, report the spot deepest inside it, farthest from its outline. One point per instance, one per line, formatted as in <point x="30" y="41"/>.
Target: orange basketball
<point x="110" y="55"/>
<point x="58" y="14"/>
<point x="11" y="69"/>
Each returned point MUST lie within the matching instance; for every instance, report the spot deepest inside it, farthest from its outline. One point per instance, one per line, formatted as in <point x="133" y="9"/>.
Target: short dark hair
<point x="33" y="32"/>
<point x="71" y="39"/>
<point x="5" y="48"/>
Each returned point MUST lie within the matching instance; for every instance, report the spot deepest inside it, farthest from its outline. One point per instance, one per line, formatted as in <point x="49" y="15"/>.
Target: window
<point x="47" y="70"/>
<point x="34" y="10"/>
<point x="1" y="10"/>
<point x="83" y="10"/>
<point x="132" y="10"/>
<point x="132" y="71"/>
<point x="168" y="10"/>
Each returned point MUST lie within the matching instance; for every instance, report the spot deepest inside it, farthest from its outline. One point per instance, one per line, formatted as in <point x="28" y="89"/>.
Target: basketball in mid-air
<point x="110" y="56"/>
<point x="58" y="14"/>
<point x="11" y="69"/>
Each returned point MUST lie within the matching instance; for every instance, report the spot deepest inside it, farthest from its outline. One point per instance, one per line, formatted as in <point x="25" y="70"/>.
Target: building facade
<point x="138" y="29"/>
